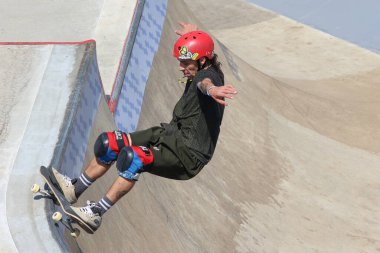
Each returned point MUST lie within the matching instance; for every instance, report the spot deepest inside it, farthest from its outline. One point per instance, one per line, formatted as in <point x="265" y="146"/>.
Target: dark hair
<point x="214" y="63"/>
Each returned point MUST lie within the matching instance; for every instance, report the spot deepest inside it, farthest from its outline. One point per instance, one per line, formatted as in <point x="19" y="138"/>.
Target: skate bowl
<point x="295" y="169"/>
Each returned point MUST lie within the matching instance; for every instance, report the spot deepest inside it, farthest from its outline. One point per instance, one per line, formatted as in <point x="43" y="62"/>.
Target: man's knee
<point x="108" y="146"/>
<point x="131" y="161"/>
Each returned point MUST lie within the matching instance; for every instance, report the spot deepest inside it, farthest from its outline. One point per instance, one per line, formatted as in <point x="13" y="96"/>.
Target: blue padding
<point x="109" y="157"/>
<point x="132" y="172"/>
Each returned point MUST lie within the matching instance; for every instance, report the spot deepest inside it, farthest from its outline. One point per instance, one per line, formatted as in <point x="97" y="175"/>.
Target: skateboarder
<point x="177" y="150"/>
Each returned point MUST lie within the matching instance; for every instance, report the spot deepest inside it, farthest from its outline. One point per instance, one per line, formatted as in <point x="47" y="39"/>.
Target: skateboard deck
<point x="55" y="191"/>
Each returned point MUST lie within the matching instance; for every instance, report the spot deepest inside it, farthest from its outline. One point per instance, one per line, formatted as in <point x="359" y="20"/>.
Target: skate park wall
<point x="57" y="131"/>
<point x="139" y="65"/>
<point x="279" y="181"/>
<point x="84" y="113"/>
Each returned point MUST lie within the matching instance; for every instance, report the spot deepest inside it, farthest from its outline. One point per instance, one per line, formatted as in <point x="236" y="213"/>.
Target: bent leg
<point x="106" y="149"/>
<point x="96" y="169"/>
<point x="119" y="188"/>
<point x="130" y="163"/>
<point x="108" y="146"/>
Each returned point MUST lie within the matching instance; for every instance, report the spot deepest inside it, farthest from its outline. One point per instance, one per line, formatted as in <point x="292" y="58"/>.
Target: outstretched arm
<point x="186" y="28"/>
<point x="218" y="93"/>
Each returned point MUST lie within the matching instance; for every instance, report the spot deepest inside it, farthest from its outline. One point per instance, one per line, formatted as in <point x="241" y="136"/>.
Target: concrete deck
<point x="105" y="21"/>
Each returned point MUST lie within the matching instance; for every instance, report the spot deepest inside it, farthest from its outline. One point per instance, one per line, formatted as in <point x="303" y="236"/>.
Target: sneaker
<point x="66" y="185"/>
<point x="89" y="214"/>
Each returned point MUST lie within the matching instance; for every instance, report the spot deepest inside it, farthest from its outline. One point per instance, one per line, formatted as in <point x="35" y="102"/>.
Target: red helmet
<point x="193" y="46"/>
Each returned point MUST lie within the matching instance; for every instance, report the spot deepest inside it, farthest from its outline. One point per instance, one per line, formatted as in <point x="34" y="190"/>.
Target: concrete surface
<point x="295" y="169"/>
<point x="37" y="96"/>
<point x="350" y="20"/>
<point x="128" y="105"/>
<point x="111" y="35"/>
<point x="106" y="21"/>
<point x="17" y="97"/>
<point x="311" y="62"/>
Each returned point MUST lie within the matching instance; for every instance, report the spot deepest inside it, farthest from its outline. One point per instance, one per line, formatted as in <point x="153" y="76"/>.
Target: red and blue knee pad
<point x="108" y="146"/>
<point x="112" y="146"/>
<point x="132" y="160"/>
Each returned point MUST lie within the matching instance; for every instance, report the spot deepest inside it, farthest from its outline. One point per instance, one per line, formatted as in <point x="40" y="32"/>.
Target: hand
<point x="186" y="28"/>
<point x="219" y="93"/>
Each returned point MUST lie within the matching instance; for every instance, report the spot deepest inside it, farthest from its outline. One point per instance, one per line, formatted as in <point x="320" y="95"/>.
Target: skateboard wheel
<point x="57" y="216"/>
<point x="35" y="188"/>
<point x="75" y="233"/>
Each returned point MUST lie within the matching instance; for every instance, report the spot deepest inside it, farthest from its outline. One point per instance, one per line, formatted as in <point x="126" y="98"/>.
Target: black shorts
<point x="172" y="159"/>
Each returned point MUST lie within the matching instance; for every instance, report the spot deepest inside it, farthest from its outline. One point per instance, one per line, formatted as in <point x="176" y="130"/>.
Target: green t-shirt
<point x="197" y="117"/>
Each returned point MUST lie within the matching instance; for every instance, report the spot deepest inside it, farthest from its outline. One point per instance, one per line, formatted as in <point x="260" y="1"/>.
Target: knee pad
<point x="108" y="145"/>
<point x="131" y="161"/>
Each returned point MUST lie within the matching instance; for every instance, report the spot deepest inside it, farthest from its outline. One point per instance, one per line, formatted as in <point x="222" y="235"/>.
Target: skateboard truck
<point x="37" y="189"/>
<point x="57" y="216"/>
<point x="44" y="192"/>
<point x="67" y="222"/>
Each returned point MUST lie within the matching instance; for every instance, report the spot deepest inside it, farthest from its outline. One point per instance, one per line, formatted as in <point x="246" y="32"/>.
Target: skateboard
<point x="68" y="217"/>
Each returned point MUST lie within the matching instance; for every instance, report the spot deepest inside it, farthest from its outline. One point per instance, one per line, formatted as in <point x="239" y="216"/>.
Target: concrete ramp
<point x="59" y="93"/>
<point x="21" y="73"/>
<point x="295" y="169"/>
